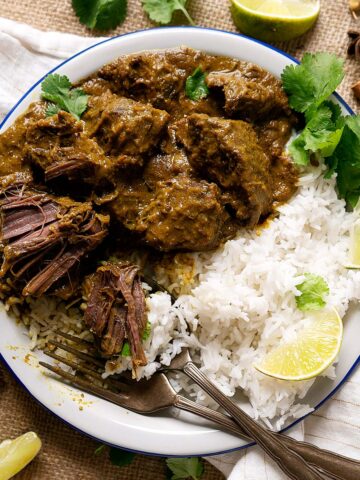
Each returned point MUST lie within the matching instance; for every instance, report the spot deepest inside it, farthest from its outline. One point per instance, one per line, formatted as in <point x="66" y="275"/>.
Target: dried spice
<point x="356" y="89"/>
<point x="354" y="45"/>
<point x="354" y="6"/>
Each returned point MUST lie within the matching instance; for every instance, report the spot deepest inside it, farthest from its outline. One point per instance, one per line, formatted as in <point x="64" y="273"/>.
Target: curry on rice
<point x="145" y="166"/>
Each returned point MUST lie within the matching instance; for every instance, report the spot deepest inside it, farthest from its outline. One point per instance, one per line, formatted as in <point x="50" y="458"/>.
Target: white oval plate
<point x="173" y="433"/>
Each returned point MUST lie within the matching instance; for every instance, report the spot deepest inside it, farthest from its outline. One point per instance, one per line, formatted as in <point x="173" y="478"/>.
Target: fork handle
<point x="290" y="462"/>
<point x="336" y="467"/>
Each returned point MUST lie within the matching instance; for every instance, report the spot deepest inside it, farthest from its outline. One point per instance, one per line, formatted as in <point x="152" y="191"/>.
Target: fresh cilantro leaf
<point x="100" y="14"/>
<point x="52" y="109"/>
<point x="168" y="473"/>
<point x="327" y="132"/>
<point x="126" y="351"/>
<point x="120" y="457"/>
<point x="321" y="134"/>
<point x="100" y="449"/>
<point x="313" y="81"/>
<point x="298" y="151"/>
<point x="185" y="468"/>
<point x="58" y="90"/>
<point x="346" y="161"/>
<point x="147" y="332"/>
<point x="195" y="87"/>
<point x="162" y="11"/>
<point x="324" y="129"/>
<point x="314" y="290"/>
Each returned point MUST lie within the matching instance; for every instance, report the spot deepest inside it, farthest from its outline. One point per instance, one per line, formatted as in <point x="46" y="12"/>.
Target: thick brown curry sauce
<point x="144" y="168"/>
<point x="175" y="174"/>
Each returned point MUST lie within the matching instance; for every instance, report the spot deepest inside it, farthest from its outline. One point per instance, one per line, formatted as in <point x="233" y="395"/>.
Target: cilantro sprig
<point x="117" y="456"/>
<point x="346" y="161"/>
<point x="309" y="84"/>
<point x="327" y="133"/>
<point x="162" y="11"/>
<point x="100" y="14"/>
<point x="58" y="90"/>
<point x="195" y="87"/>
<point x="177" y="468"/>
<point x="313" y="292"/>
<point x="321" y="134"/>
<point x="182" y="468"/>
<point x="120" y="458"/>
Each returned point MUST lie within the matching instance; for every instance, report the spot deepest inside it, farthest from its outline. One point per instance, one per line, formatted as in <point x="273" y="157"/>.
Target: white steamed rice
<point x="242" y="303"/>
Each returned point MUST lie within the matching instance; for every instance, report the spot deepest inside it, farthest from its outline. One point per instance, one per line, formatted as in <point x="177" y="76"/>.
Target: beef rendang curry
<point x="159" y="169"/>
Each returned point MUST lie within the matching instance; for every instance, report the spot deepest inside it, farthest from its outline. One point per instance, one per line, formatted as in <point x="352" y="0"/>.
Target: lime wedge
<point x="16" y="454"/>
<point x="314" y="350"/>
<point x="275" y="20"/>
<point x="354" y="254"/>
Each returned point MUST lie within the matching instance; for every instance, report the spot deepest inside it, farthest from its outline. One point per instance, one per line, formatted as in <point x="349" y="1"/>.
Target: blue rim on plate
<point x="284" y="54"/>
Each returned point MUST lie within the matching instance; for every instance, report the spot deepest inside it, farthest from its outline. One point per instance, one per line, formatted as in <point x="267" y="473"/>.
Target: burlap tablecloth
<point x="66" y="454"/>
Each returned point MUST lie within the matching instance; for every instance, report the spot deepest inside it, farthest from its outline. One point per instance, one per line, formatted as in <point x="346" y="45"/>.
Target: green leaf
<point x="168" y="473"/>
<point x="321" y="134"/>
<point x="162" y="11"/>
<point x="126" y="351"/>
<point x="185" y="468"/>
<point x="346" y="161"/>
<point x="196" y="87"/>
<point x="327" y="132"/>
<point x="324" y="129"/>
<point x="52" y="109"/>
<point x="120" y="457"/>
<point x="147" y="332"/>
<point x="58" y="90"/>
<point x="297" y="83"/>
<point x="298" y="152"/>
<point x="100" y="14"/>
<point x="309" y="84"/>
<point x="314" y="291"/>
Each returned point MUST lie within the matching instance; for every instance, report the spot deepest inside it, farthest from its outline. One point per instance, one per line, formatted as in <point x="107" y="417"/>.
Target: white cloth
<point x="27" y="54"/>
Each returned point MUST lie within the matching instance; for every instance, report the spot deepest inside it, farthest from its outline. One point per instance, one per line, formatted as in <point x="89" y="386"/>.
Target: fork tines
<point x="86" y="357"/>
<point x="85" y="385"/>
<point x="91" y="367"/>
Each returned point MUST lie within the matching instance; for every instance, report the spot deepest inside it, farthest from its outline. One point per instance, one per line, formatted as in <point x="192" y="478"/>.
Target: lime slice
<point x="354" y="254"/>
<point x="275" y="20"/>
<point x="315" y="349"/>
<point x="16" y="454"/>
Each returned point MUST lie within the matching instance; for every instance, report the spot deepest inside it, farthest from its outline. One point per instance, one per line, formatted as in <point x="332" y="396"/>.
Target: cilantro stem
<point x="185" y="12"/>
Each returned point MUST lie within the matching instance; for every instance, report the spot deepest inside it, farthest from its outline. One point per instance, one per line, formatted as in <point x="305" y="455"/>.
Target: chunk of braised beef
<point x="165" y="166"/>
<point x="123" y="127"/>
<point x="274" y="135"/>
<point x="13" y="140"/>
<point x="285" y="177"/>
<point x="58" y="146"/>
<point x="228" y="153"/>
<point x="116" y="310"/>
<point x="133" y="195"/>
<point x="250" y="92"/>
<point x="44" y="238"/>
<point x="184" y="214"/>
<point x="152" y="77"/>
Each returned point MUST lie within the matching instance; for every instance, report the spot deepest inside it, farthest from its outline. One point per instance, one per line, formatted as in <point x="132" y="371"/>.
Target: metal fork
<point x="336" y="467"/>
<point x="149" y="396"/>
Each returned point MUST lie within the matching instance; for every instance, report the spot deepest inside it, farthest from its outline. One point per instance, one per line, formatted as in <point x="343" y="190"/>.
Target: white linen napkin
<point x="26" y="54"/>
